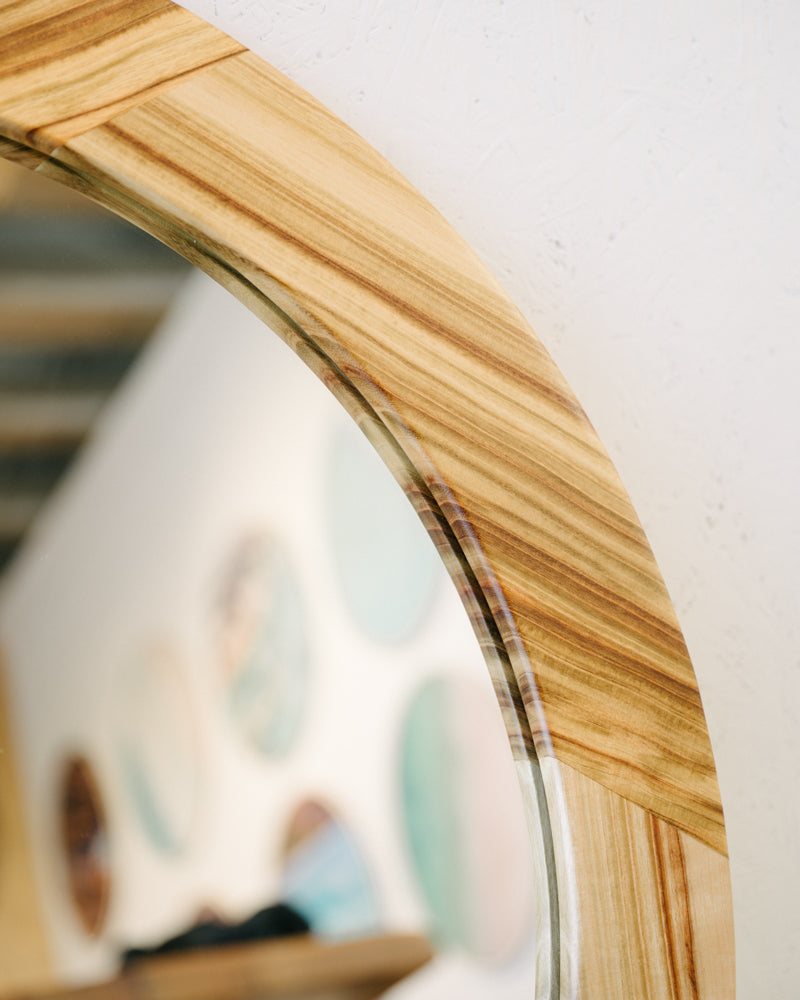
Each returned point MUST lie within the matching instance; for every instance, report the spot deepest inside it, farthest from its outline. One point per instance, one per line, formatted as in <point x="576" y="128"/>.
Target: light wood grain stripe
<point x="655" y="905"/>
<point x="66" y="67"/>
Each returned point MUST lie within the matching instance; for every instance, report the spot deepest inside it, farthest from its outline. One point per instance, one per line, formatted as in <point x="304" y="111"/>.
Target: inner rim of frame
<point x="411" y="467"/>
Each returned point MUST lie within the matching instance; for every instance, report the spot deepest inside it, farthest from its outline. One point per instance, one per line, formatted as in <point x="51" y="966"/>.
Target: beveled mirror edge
<point x="556" y="957"/>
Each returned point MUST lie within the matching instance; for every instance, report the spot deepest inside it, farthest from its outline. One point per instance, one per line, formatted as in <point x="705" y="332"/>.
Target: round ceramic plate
<point x="325" y="876"/>
<point x="387" y="565"/>
<point x="157" y="750"/>
<point x="464" y="819"/>
<point x="264" y="647"/>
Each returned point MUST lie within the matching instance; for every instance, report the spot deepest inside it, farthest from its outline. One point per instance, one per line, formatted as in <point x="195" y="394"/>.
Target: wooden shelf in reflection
<point x="300" y="968"/>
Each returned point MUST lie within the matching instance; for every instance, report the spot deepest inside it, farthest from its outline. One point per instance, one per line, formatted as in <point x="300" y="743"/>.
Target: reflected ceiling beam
<point x="42" y="308"/>
<point x="81" y="291"/>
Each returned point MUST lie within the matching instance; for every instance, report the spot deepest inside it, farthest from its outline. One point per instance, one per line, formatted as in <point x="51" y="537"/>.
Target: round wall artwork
<point x="84" y="840"/>
<point x="264" y="647"/>
<point x="325" y="877"/>
<point x="157" y="749"/>
<point x="387" y="565"/>
<point x="464" y="820"/>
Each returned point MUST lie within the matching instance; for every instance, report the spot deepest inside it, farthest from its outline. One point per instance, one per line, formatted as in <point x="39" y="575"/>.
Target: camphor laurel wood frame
<point x="157" y="115"/>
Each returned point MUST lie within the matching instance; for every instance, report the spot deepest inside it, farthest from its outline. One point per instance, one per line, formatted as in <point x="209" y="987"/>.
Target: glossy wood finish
<point x="259" y="185"/>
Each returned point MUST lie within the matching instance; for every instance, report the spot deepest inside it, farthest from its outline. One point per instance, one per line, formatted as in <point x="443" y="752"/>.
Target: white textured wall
<point x="631" y="173"/>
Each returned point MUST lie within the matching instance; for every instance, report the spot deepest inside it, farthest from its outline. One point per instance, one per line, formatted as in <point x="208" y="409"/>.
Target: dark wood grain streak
<point x="676" y="916"/>
<point x="645" y="891"/>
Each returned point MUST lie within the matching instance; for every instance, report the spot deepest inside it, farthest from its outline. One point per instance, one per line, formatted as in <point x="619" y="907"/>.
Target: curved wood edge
<point x="259" y="185"/>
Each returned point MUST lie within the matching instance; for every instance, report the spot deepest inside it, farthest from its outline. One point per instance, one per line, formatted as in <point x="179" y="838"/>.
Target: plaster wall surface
<point x="631" y="174"/>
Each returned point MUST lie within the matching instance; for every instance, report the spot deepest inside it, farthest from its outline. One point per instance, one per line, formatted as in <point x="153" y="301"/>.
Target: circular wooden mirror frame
<point x="157" y="115"/>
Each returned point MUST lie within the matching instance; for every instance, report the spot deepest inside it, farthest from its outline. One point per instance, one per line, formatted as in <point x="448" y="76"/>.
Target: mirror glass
<point x="220" y="602"/>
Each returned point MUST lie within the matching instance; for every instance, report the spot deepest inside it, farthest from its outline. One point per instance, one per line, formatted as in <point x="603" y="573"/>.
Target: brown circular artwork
<point x="84" y="840"/>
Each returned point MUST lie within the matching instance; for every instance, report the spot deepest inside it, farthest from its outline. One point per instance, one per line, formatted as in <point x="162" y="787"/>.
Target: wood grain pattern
<point x="136" y="50"/>
<point x="255" y="182"/>
<point x="663" y="893"/>
<point x="708" y="879"/>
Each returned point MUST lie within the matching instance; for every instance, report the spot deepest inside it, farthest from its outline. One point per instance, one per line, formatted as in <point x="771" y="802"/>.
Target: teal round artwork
<point x="157" y="750"/>
<point x="265" y="655"/>
<point x="387" y="565"/>
<point x="464" y="820"/>
<point x="325" y="877"/>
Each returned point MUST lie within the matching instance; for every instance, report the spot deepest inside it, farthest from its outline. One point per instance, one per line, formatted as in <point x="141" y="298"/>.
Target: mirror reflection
<point x="219" y="604"/>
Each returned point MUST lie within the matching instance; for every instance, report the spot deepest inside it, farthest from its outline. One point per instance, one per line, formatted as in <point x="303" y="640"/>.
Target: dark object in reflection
<point x="274" y="921"/>
<point x="83" y="836"/>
